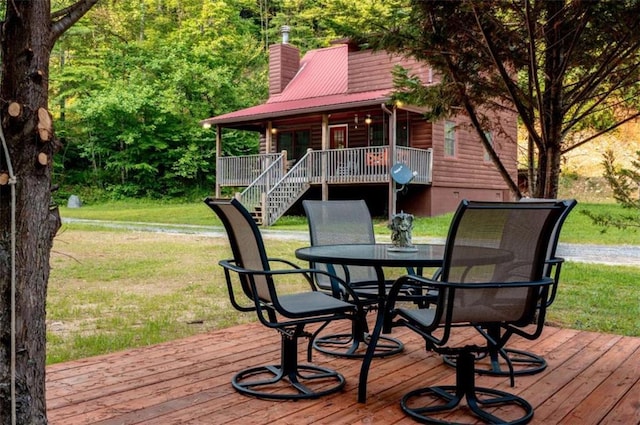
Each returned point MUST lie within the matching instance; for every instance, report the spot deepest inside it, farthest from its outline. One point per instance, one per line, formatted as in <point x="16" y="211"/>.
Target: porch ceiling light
<point x="274" y="130"/>
<point x="368" y="120"/>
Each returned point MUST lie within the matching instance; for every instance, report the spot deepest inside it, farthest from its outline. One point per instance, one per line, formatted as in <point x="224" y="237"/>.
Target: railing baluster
<point x="264" y="174"/>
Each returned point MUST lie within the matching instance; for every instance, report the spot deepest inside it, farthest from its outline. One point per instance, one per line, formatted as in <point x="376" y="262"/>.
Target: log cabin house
<point x="330" y="131"/>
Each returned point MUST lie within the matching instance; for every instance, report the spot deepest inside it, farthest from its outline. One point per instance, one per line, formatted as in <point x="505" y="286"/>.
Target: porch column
<point x="325" y="147"/>
<point x="268" y="138"/>
<point x="393" y="195"/>
<point x="218" y="154"/>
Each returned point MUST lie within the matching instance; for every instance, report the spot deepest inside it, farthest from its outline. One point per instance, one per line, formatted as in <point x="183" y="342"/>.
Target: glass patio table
<point x="377" y="256"/>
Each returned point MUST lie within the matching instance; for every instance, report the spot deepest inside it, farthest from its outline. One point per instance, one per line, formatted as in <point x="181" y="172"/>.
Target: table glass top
<point x="374" y="254"/>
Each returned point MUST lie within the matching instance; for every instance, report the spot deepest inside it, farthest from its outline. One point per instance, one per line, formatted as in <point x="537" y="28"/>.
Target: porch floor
<point x="591" y="379"/>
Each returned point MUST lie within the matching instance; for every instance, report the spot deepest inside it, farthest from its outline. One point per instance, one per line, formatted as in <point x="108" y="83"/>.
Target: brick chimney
<point x="284" y="61"/>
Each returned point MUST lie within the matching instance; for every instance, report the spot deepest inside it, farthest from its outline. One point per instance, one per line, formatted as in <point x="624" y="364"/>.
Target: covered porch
<point x="271" y="183"/>
<point x="592" y="378"/>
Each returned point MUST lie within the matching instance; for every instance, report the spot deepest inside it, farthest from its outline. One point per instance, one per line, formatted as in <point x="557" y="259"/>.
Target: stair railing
<point x="251" y="196"/>
<point x="289" y="189"/>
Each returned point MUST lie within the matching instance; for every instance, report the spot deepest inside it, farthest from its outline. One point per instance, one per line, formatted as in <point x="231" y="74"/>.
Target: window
<point x="302" y="139"/>
<point x="377" y="134"/>
<point x="449" y="138"/>
<point x="403" y="126"/>
<point x="338" y="136"/>
<point x="489" y="137"/>
<point x="295" y="143"/>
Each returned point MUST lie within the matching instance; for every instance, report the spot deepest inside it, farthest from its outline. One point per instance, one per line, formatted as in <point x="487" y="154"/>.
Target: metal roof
<point x="320" y="85"/>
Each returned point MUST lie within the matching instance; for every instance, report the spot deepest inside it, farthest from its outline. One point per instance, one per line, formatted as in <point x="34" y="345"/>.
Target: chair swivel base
<point x="524" y="363"/>
<point x="433" y="404"/>
<point x="345" y="345"/>
<point x="274" y="382"/>
<point x="481" y="402"/>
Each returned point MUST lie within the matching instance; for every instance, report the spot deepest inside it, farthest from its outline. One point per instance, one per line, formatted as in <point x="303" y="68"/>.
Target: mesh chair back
<point x="341" y="222"/>
<point x="496" y="242"/>
<point x="246" y="244"/>
<point x="555" y="234"/>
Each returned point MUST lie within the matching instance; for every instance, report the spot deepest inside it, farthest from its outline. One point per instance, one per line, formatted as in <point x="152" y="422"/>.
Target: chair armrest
<point x="554" y="264"/>
<point x="227" y="266"/>
<point x="436" y="285"/>
<point x="554" y="261"/>
<point x="338" y="285"/>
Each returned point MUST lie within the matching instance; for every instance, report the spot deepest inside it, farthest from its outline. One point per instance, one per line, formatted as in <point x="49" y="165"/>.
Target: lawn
<point x="112" y="289"/>
<point x="577" y="229"/>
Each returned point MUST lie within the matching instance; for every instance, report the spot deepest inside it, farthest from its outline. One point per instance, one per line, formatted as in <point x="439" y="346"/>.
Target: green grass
<point x="115" y="289"/>
<point x="193" y="213"/>
<point x="112" y="290"/>
<point x="599" y="298"/>
<point x="577" y="229"/>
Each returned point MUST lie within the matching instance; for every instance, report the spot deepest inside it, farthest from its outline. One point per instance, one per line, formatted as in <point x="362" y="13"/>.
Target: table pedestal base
<point x="345" y="345"/>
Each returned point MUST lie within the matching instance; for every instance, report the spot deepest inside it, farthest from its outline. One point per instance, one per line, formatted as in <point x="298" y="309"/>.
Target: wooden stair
<point x="256" y="214"/>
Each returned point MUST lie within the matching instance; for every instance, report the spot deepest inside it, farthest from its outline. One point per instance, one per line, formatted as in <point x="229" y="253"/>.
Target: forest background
<point x="131" y="81"/>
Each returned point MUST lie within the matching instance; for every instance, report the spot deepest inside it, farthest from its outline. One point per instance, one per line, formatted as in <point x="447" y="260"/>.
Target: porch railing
<point x="243" y="170"/>
<point x="367" y="165"/>
<point x="273" y="191"/>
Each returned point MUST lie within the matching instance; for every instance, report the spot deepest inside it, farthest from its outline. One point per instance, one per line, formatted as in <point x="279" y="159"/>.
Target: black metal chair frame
<point x="441" y="317"/>
<point x="521" y="362"/>
<point x="348" y="344"/>
<point x="287" y="313"/>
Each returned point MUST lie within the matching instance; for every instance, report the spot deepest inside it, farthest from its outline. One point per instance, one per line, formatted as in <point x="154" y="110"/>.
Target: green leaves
<point x="132" y="82"/>
<point x="567" y="68"/>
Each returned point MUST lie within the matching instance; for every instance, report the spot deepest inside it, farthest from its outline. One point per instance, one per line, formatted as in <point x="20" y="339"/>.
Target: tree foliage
<point x="570" y="69"/>
<point x="625" y="183"/>
<point x="134" y="81"/>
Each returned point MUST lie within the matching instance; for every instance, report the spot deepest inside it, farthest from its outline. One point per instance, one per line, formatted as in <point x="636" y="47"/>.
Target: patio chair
<point x="250" y="273"/>
<point x="520" y="362"/>
<point x="347" y="222"/>
<point x="492" y="276"/>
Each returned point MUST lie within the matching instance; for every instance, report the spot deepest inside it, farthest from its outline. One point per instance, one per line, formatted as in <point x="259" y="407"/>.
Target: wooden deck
<point x="591" y="379"/>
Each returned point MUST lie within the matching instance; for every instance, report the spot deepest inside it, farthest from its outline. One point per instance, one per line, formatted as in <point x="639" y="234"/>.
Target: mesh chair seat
<point x="477" y="291"/>
<point x="249" y="276"/>
<point x="347" y="222"/>
<point x="309" y="303"/>
<point x="508" y="361"/>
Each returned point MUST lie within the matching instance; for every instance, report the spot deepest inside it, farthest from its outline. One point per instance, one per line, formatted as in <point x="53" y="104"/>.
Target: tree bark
<point x="25" y="51"/>
<point x="552" y="99"/>
<point x="27" y="39"/>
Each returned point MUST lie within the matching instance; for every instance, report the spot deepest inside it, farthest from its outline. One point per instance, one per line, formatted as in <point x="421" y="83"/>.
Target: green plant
<point x="625" y="183"/>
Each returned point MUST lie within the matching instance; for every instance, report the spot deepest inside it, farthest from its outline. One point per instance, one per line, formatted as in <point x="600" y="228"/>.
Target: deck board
<point x="591" y="378"/>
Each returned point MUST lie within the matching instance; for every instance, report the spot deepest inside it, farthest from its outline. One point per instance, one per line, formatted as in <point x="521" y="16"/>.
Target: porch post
<point x="325" y="147"/>
<point x="393" y="195"/>
<point x="268" y="138"/>
<point x="218" y="161"/>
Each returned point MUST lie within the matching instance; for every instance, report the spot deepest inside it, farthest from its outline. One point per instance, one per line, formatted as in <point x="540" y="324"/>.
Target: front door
<point x="338" y="136"/>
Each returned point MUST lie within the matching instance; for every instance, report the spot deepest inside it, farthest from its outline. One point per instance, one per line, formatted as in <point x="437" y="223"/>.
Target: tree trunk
<point x="548" y="173"/>
<point x="28" y="219"/>
<point x="552" y="100"/>
<point x="26" y="47"/>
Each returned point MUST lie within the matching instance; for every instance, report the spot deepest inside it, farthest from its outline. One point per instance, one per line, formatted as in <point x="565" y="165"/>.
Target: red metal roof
<point x="322" y="72"/>
<point x="321" y="84"/>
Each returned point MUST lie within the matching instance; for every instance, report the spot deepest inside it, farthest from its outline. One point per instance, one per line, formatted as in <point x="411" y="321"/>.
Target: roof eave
<point x="233" y="121"/>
